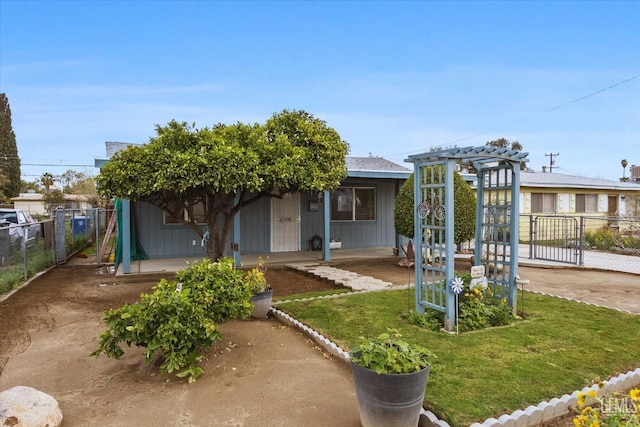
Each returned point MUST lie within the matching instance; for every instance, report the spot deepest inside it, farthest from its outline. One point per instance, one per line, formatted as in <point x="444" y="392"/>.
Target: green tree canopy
<point x="53" y="199"/>
<point x="464" y="200"/>
<point x="9" y="160"/>
<point x="505" y="143"/>
<point x="226" y="168"/>
<point x="47" y="181"/>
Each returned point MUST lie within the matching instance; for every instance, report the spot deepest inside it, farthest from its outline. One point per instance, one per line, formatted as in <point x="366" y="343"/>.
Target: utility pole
<point x="551" y="161"/>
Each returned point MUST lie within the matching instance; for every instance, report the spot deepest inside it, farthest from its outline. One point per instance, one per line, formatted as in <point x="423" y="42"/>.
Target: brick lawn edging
<point x="529" y="417"/>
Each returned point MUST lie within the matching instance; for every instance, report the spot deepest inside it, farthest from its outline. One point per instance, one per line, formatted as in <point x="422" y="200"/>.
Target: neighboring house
<point x="554" y="193"/>
<point x="358" y="214"/>
<point x="35" y="205"/>
<point x="635" y="173"/>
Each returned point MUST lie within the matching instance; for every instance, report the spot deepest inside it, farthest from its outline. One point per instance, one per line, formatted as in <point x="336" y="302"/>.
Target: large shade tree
<point x="220" y="171"/>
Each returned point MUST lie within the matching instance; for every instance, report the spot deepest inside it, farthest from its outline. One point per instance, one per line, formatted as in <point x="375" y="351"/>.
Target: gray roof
<point x="375" y="167"/>
<point x="558" y="180"/>
<point x="113" y="147"/>
<point x="374" y="164"/>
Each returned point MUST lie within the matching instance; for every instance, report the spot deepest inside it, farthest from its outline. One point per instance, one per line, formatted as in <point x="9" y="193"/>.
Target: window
<point x="543" y="202"/>
<point x="586" y="202"/>
<point x="198" y="214"/>
<point x="353" y="204"/>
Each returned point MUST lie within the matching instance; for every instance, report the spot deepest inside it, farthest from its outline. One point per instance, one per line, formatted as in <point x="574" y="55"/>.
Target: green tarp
<point x="137" y="252"/>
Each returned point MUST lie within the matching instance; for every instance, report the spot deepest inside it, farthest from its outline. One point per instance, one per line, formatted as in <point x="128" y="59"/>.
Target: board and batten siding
<point x="255" y="227"/>
<point x="369" y="234"/>
<point x="161" y="240"/>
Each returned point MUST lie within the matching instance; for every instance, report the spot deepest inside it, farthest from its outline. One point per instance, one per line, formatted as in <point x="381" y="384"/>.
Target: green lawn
<point x="562" y="346"/>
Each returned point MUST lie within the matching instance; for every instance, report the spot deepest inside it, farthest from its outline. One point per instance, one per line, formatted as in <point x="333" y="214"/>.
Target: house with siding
<point x="358" y="214"/>
<point x="35" y="204"/>
<point x="560" y="194"/>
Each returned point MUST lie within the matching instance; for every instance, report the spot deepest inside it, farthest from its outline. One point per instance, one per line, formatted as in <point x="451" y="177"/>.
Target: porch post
<point x="126" y="236"/>
<point x="235" y="243"/>
<point x="326" y="233"/>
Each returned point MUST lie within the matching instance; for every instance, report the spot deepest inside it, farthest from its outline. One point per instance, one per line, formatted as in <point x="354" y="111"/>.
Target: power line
<point x="582" y="98"/>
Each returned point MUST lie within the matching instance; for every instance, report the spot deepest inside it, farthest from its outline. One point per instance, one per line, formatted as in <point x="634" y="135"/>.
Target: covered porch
<point x="171" y="265"/>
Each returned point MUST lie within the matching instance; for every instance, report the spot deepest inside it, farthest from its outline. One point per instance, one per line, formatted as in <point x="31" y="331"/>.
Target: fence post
<point x="530" y="236"/>
<point x="96" y="223"/>
<point x="23" y="244"/>
<point x="581" y="243"/>
<point x="60" y="235"/>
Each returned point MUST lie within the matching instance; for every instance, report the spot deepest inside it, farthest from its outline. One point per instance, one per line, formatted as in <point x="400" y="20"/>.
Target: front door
<point x="612" y="206"/>
<point x="285" y="223"/>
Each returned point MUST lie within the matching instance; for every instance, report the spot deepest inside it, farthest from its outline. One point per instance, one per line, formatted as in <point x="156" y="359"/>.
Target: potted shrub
<point x="390" y="376"/>
<point x="262" y="292"/>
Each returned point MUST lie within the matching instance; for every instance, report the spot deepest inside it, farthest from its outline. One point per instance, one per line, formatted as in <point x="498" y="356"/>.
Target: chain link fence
<point x="26" y="250"/>
<point x="610" y="243"/>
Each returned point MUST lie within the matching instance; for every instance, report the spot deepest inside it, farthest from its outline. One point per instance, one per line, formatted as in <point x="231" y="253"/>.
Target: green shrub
<point x="602" y="238"/>
<point x="478" y="308"/>
<point x="630" y="242"/>
<point x="389" y="354"/>
<point x="464" y="200"/>
<point x="179" y="319"/>
<point x="430" y="319"/>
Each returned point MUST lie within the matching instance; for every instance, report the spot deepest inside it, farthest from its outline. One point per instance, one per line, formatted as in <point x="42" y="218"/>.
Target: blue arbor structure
<point x="496" y="228"/>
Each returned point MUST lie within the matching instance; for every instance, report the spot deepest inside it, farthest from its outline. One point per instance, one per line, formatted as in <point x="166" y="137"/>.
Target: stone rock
<point x="22" y="406"/>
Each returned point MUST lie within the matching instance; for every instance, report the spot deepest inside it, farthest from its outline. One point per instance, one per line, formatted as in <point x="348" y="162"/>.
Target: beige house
<point x="35" y="205"/>
<point x="559" y="194"/>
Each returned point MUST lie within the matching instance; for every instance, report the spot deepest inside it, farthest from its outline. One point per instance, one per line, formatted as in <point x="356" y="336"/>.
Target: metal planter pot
<point x="262" y="303"/>
<point x="389" y="399"/>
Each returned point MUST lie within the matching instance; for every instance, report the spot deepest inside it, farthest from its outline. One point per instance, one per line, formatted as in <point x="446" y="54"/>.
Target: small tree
<point x="86" y="186"/>
<point x="47" y="181"/>
<point x="9" y="160"/>
<point x="505" y="143"/>
<point x="224" y="169"/>
<point x="624" y="164"/>
<point x="53" y="199"/>
<point x="464" y="200"/>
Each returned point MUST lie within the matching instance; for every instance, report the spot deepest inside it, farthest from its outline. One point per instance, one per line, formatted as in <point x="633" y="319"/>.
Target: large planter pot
<point x="387" y="400"/>
<point x="262" y="303"/>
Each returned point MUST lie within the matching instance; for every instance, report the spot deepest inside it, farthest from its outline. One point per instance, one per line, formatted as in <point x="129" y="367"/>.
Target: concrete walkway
<point x="345" y="278"/>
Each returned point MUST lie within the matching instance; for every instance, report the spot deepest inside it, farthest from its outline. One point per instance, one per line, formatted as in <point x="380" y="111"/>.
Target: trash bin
<point x="79" y="224"/>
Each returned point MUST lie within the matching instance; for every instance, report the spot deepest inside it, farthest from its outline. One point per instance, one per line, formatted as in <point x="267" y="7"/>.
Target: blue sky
<point x="393" y="78"/>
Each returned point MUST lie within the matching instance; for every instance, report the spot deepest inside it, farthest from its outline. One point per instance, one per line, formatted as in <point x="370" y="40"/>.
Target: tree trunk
<point x="215" y="245"/>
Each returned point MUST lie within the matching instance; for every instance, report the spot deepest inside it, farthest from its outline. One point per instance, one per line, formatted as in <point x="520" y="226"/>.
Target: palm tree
<point x="624" y="164"/>
<point x="47" y="180"/>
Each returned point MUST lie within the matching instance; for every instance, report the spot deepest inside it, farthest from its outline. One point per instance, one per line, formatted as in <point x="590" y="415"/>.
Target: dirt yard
<point x="261" y="374"/>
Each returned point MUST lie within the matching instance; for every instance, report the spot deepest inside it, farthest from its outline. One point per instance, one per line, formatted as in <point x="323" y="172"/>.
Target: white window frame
<point x="544" y="199"/>
<point x="345" y="199"/>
